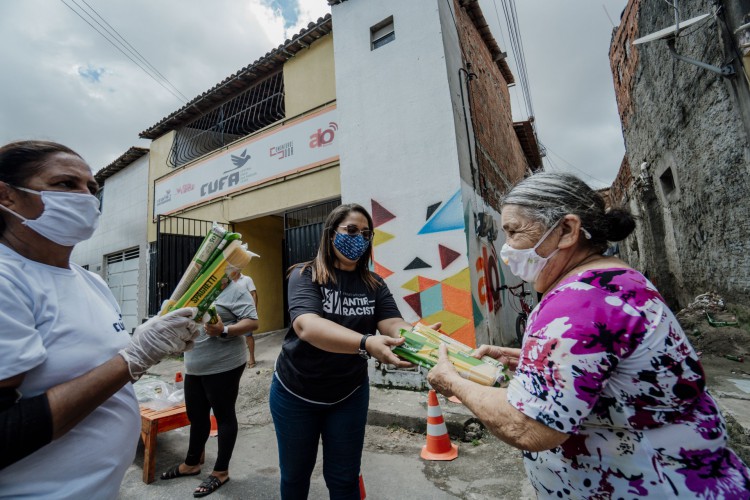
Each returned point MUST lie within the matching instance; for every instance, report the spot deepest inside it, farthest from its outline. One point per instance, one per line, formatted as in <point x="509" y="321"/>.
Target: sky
<point x="62" y="81"/>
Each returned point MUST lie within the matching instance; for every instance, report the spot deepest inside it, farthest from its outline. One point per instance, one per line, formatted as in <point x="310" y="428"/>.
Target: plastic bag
<point x="157" y="394"/>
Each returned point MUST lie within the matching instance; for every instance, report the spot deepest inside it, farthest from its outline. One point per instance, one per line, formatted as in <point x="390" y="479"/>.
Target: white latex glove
<point x="158" y="337"/>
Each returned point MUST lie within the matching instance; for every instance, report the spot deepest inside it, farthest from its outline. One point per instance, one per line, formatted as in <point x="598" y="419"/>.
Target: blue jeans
<point x="299" y="427"/>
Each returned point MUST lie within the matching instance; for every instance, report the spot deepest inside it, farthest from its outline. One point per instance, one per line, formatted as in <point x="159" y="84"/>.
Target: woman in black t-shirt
<point x="320" y="387"/>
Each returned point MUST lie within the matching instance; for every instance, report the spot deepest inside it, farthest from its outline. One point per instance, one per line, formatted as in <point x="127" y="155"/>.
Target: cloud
<point x="63" y="81"/>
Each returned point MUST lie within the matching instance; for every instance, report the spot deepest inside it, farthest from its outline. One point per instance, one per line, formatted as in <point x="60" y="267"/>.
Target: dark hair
<point x="323" y="264"/>
<point x="22" y="160"/>
<point x="547" y="197"/>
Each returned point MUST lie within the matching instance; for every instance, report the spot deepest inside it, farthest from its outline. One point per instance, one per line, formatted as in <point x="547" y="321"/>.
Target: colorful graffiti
<point x="447" y="299"/>
<point x="490" y="279"/>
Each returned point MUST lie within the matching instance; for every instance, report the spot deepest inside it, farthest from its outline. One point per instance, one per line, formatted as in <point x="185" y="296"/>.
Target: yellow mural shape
<point x="460" y="280"/>
<point x="451" y="322"/>
<point x="381" y="237"/>
<point x="412" y="284"/>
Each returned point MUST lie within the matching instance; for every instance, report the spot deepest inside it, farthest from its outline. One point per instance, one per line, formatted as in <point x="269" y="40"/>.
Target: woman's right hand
<point x="158" y="337"/>
<point x="506" y="355"/>
<point x="379" y="347"/>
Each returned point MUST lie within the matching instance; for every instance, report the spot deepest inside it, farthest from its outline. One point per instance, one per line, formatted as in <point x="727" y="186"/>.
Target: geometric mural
<point x="379" y="214"/>
<point x="448" y="301"/>
<point x="381" y="270"/>
<point x="417" y="263"/>
<point x="431" y="210"/>
<point x="381" y="237"/>
<point x="447" y="256"/>
<point x="450" y="216"/>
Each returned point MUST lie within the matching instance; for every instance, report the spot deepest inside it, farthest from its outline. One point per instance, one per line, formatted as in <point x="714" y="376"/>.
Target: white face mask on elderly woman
<point x="67" y="218"/>
<point x="526" y="263"/>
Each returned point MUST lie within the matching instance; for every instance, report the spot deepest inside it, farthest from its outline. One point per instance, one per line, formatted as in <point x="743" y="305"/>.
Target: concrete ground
<point x="392" y="468"/>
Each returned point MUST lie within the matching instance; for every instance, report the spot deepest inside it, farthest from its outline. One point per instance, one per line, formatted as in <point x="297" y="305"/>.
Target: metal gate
<point x="177" y="240"/>
<point x="302" y="230"/>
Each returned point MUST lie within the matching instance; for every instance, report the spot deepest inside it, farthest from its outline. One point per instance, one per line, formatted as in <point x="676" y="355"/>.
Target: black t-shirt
<point x="319" y="375"/>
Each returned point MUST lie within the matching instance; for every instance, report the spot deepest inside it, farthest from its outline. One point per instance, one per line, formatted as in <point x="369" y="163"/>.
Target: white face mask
<point x="67" y="218"/>
<point x="526" y="263"/>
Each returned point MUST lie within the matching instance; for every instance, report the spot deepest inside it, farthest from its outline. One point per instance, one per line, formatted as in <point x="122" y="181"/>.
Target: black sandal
<point x="210" y="484"/>
<point x="174" y="472"/>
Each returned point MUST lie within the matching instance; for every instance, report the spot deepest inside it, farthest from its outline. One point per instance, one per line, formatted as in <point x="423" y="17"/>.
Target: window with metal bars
<point x="133" y="253"/>
<point x="255" y="108"/>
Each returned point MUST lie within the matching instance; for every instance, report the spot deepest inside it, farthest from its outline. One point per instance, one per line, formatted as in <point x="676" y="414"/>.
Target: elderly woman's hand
<point x="506" y="355"/>
<point x="443" y="374"/>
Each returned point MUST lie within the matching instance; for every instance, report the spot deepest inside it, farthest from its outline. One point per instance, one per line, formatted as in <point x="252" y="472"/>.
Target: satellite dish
<point x="670" y="35"/>
<point x="669" y="32"/>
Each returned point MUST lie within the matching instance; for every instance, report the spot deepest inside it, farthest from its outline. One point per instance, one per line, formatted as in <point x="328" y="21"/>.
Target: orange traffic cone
<point x="362" y="492"/>
<point x="214" y="428"/>
<point x="439" y="446"/>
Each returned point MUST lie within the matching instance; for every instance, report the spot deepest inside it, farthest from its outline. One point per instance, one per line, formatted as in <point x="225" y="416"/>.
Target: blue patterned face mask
<point x="351" y="247"/>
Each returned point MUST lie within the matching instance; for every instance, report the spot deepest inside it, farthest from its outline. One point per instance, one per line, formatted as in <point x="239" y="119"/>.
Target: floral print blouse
<point x="605" y="361"/>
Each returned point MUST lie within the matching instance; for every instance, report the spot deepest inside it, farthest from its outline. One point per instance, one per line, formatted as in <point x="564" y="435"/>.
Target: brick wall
<point x="499" y="157"/>
<point x="623" y="59"/>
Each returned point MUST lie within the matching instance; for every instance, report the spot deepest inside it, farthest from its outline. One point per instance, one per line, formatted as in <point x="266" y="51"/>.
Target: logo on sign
<point x="324" y="137"/>
<point x="239" y="161"/>
<point x="220" y="184"/>
<point x="185" y="188"/>
<point x="282" y="151"/>
<point x="166" y="198"/>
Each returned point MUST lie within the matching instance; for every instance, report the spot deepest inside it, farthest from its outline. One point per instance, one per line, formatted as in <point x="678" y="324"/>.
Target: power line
<point x="516" y="45"/>
<point x="176" y="94"/>
<point x="571" y="165"/>
<point x="135" y="52"/>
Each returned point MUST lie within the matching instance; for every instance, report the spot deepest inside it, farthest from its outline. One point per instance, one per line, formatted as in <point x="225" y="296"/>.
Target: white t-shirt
<point x="247" y="281"/>
<point x="58" y="324"/>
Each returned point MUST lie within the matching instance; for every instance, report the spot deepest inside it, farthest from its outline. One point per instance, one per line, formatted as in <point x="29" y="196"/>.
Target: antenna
<point x="671" y="34"/>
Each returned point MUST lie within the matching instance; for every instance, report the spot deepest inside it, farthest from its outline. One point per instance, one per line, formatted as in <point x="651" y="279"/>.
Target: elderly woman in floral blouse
<point x="609" y="398"/>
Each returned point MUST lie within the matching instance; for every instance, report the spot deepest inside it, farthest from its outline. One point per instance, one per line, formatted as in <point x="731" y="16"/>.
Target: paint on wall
<point x="435" y="282"/>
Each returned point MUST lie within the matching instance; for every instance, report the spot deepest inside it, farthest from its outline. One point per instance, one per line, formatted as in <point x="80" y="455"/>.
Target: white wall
<point x="122" y="225"/>
<point x="404" y="144"/>
<point x="398" y="148"/>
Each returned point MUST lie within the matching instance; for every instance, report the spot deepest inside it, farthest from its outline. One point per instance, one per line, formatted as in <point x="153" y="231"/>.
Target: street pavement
<point x="392" y="468"/>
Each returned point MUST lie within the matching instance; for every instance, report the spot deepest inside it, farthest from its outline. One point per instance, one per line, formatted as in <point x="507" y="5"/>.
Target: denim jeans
<point x="299" y="427"/>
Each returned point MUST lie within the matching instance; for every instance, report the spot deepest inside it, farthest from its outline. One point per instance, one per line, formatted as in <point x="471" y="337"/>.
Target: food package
<point x="422" y="348"/>
<point x="207" y="274"/>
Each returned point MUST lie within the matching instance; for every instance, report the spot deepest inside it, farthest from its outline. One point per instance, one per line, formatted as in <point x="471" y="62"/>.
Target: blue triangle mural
<point x="450" y="216"/>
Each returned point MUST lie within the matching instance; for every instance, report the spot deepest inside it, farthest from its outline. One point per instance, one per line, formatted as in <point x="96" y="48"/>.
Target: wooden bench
<point x="154" y="422"/>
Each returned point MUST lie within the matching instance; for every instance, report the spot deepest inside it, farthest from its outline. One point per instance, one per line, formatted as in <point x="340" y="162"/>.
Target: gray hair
<point x="546" y="197"/>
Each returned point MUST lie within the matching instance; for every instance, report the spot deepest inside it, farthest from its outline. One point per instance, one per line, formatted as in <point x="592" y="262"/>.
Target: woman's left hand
<point x="443" y="374"/>
<point x="379" y="347"/>
<point x="214" y="330"/>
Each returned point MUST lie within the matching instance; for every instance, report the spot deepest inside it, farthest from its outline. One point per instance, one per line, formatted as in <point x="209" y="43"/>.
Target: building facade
<point x="405" y="110"/>
<point x="118" y="250"/>
<point x="428" y="143"/>
<point x="686" y="129"/>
